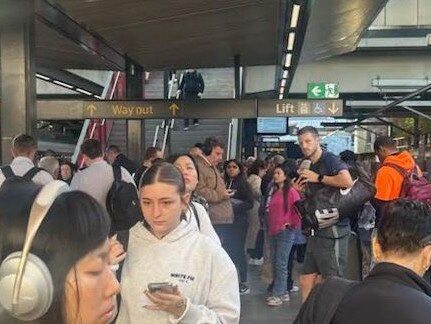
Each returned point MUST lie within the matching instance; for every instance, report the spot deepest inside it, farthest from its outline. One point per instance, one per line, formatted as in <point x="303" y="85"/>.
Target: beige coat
<point x="211" y="186"/>
<point x="253" y="214"/>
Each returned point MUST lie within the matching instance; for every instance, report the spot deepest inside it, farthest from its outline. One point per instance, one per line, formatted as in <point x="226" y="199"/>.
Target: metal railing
<point x="108" y="93"/>
<point x="168" y="124"/>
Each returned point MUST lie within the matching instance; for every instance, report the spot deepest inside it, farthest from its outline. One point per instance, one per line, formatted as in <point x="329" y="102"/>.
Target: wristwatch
<point x="320" y="178"/>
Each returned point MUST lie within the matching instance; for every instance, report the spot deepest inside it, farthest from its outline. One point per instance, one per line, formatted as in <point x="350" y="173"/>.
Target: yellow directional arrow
<point x="91" y="109"/>
<point x="174" y="108"/>
<point x="333" y="109"/>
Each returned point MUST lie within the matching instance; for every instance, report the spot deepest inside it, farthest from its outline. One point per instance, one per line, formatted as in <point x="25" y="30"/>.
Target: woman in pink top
<point x="283" y="219"/>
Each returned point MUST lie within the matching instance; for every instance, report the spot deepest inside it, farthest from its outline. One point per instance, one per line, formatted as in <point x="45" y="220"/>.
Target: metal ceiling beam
<point x="391" y="105"/>
<point x="361" y="125"/>
<point x="55" y="18"/>
<point x="341" y="124"/>
<point x="70" y="79"/>
<point x="395" y="126"/>
<point x="368" y="130"/>
<point x="392" y="114"/>
<point x="382" y="122"/>
<point x="416" y="112"/>
<point x="358" y="104"/>
<point x="397" y="31"/>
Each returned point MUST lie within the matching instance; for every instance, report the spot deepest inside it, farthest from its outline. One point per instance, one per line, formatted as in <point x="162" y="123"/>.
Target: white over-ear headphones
<point x="26" y="287"/>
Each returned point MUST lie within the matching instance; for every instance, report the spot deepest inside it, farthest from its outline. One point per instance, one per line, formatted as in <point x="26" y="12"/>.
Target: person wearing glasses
<point x="394" y="292"/>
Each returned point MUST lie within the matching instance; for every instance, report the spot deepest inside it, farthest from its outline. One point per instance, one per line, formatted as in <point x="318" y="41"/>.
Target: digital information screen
<point x="272" y="125"/>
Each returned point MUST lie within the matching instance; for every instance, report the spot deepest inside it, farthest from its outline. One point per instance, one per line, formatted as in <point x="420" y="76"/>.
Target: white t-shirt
<point x="21" y="165"/>
<point x="97" y="179"/>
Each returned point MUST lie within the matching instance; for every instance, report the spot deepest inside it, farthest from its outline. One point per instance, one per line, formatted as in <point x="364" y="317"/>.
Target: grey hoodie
<point x="202" y="270"/>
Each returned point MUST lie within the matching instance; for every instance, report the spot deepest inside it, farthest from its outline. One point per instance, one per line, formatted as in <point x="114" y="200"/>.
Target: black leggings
<point x="257" y="252"/>
<point x="233" y="238"/>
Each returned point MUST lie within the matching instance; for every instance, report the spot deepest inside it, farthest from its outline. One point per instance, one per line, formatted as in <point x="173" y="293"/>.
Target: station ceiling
<point x="200" y="33"/>
<point x="54" y="50"/>
<point x="187" y="33"/>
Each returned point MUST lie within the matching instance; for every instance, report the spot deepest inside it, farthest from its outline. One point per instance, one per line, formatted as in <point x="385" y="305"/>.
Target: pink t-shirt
<point x="277" y="218"/>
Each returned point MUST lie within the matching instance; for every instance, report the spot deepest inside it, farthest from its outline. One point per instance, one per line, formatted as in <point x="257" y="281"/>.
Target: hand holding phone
<point x="171" y="301"/>
<point x="164" y="287"/>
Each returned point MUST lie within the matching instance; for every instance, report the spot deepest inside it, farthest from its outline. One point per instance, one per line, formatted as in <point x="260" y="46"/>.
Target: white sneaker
<point x="285" y="297"/>
<point x="274" y="301"/>
<point x="294" y="289"/>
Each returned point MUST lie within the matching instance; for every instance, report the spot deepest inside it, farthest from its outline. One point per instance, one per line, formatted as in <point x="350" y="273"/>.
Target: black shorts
<point x="326" y="256"/>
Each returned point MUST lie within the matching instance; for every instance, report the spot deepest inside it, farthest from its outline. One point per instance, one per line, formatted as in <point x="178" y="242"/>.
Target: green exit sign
<point x="322" y="90"/>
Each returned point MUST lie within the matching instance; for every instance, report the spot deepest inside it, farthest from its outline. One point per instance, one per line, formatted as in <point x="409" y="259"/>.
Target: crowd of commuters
<point x="203" y="220"/>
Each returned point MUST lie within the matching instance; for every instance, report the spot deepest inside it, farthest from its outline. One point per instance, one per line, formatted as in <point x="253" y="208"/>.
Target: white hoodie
<point x="202" y="270"/>
<point x="204" y="226"/>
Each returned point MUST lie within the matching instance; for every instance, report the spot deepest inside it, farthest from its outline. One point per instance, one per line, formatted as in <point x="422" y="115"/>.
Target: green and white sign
<point x="322" y="90"/>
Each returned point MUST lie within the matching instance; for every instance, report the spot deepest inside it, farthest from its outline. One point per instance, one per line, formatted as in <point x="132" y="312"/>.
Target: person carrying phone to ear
<point x="173" y="273"/>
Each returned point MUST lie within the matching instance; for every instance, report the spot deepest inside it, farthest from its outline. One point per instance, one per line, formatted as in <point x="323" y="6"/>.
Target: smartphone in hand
<point x="164" y="287"/>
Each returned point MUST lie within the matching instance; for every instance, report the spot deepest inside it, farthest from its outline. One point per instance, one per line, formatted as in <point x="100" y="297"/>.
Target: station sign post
<point x="202" y="109"/>
<point x="222" y="108"/>
<point x="300" y="108"/>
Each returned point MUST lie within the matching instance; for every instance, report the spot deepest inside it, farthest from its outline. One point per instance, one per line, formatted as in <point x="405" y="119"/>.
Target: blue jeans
<point x="281" y="244"/>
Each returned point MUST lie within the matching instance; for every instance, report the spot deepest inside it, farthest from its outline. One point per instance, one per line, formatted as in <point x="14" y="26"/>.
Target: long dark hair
<point x="75" y="225"/>
<point x="286" y="184"/>
<point x="241" y="174"/>
<point x="173" y="158"/>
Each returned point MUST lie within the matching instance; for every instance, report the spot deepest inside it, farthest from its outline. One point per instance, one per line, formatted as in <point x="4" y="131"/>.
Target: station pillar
<point x="17" y="72"/>
<point x="135" y="128"/>
<point x="236" y="135"/>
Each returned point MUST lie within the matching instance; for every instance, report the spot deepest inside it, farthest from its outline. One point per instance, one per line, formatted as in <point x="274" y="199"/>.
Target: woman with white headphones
<point x="54" y="254"/>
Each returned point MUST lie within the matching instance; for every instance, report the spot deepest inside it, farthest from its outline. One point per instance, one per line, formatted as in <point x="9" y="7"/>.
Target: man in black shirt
<point x="326" y="253"/>
<point x="191" y="87"/>
<point x="115" y="157"/>
<point x="151" y="154"/>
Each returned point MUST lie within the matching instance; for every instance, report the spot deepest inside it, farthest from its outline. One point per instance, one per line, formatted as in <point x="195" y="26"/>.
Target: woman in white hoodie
<point x="165" y="248"/>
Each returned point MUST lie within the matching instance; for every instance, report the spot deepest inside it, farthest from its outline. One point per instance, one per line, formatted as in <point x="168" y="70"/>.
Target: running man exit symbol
<point x="331" y="90"/>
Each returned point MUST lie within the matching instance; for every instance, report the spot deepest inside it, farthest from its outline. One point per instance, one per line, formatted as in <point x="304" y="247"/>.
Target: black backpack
<point x="193" y="83"/>
<point x="122" y="203"/>
<point x="11" y="177"/>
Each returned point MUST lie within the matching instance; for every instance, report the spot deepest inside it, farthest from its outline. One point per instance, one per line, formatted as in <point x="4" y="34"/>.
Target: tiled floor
<point x="254" y="309"/>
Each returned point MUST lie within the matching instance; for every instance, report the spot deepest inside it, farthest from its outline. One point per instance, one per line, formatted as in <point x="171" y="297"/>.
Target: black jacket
<point x="243" y="197"/>
<point x="125" y="162"/>
<point x="391" y="294"/>
<point x="323" y="301"/>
